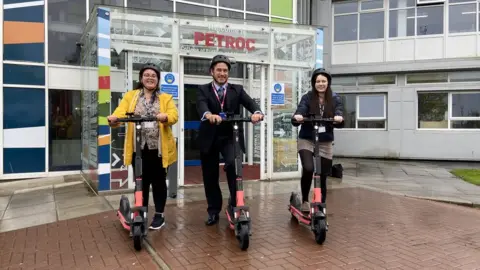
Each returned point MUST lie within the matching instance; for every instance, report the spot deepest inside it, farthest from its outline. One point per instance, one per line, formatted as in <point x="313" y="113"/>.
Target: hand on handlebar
<point x="162" y="117"/>
<point x="298" y="118"/>
<point x="214" y="119"/>
<point x="338" y="119"/>
<point x="112" y="119"/>
<point x="256" y="117"/>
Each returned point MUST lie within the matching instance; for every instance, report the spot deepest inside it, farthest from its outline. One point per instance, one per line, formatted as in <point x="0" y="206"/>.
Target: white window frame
<point x="366" y="119"/>
<point x="476" y="12"/>
<point x="450" y="118"/>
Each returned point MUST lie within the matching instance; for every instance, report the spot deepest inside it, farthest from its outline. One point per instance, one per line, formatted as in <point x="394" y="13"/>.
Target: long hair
<point x="140" y="84"/>
<point x="328" y="110"/>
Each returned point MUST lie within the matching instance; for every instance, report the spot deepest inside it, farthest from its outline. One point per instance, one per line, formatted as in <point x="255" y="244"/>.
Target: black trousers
<point x="210" y="172"/>
<point x="307" y="159"/>
<point x="153" y="174"/>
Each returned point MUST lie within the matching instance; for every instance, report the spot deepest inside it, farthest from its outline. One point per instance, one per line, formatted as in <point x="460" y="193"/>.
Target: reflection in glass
<point x="65" y="130"/>
<point x="465" y="76"/>
<point x="345" y="7"/>
<point x="197" y="10"/>
<point x="376" y="124"/>
<point x="402" y="23"/>
<point x="345" y="27"/>
<point x="372" y="4"/>
<point x="462" y="18"/>
<point x="257" y="6"/>
<point x="235" y="4"/>
<point x="198" y="66"/>
<point x="466" y="105"/>
<point x="349" y="109"/>
<point x="230" y="14"/>
<point x="252" y="17"/>
<point x="473" y="124"/>
<point x="116" y="3"/>
<point x="432" y="110"/>
<point x="377" y="80"/>
<point x="427" y="78"/>
<point x="160" y="5"/>
<point x="370" y="106"/>
<point x="429" y="20"/>
<point x="66" y="20"/>
<point x="401" y="3"/>
<point x="372" y="25"/>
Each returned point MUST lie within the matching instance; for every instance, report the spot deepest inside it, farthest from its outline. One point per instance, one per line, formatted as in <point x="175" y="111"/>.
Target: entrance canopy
<point x="141" y="35"/>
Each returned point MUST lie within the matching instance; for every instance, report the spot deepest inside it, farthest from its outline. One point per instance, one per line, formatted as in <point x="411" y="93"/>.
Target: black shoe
<point x="212" y="219"/>
<point x="157" y="222"/>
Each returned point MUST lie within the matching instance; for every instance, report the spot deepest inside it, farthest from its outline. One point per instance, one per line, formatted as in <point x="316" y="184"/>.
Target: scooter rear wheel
<point x="137" y="238"/>
<point x="320" y="231"/>
<point x="243" y="237"/>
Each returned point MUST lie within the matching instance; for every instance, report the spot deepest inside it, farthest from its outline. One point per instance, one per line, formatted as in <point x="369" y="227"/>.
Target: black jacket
<point x="306" y="130"/>
<point x="207" y="101"/>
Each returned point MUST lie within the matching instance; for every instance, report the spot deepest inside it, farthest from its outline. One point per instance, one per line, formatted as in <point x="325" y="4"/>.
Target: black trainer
<point x="158" y="222"/>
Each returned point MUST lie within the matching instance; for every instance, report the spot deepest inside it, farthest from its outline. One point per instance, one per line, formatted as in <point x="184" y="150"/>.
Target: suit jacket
<point x="207" y="102"/>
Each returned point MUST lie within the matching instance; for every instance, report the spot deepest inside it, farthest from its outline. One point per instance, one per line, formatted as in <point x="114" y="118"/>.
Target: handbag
<point x="337" y="171"/>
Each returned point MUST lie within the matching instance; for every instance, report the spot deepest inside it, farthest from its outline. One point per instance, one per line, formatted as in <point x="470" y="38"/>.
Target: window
<point x="429" y="19"/>
<point x="455" y="110"/>
<point x="444" y="77"/>
<point x="116" y="3"/>
<point x="65" y="130"/>
<point x="160" y="5"/>
<point x="365" y="111"/>
<point x="462" y="16"/>
<point x="230" y="14"/>
<point x="66" y="20"/>
<point x="386" y="79"/>
<point x="251" y="17"/>
<point x="198" y="10"/>
<point x="235" y="4"/>
<point x="365" y="17"/>
<point x="258" y="6"/>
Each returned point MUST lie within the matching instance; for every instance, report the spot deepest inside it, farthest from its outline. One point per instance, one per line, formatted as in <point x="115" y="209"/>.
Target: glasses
<point x="153" y="76"/>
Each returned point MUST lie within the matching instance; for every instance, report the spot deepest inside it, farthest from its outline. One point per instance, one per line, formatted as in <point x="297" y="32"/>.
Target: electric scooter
<point x="134" y="219"/>
<point x="316" y="218"/>
<point x="240" y="222"/>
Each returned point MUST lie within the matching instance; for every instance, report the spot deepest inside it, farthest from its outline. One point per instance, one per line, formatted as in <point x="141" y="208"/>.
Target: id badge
<point x="321" y="129"/>
<point x="223" y="115"/>
<point x="149" y="124"/>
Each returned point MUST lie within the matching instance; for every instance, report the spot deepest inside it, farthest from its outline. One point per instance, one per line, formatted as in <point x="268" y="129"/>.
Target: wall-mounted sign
<point x="169" y="83"/>
<point x="278" y="94"/>
<point x="223" y="41"/>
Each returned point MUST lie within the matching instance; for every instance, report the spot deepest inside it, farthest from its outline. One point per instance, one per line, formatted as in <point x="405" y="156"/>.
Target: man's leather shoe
<point x="212" y="219"/>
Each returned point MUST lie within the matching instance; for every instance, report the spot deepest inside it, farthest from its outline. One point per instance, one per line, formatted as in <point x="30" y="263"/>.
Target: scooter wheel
<point x="244" y="237"/>
<point x="320" y="231"/>
<point x="137" y="238"/>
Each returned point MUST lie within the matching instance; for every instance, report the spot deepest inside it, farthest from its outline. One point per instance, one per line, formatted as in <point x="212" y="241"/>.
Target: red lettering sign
<point x="223" y="41"/>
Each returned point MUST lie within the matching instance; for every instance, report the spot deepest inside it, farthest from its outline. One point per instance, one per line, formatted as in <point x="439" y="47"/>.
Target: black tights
<point x="307" y="160"/>
<point x="153" y="174"/>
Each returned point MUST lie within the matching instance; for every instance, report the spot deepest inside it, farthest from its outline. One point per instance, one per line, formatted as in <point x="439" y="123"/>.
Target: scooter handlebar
<point x="314" y="119"/>
<point x="137" y="119"/>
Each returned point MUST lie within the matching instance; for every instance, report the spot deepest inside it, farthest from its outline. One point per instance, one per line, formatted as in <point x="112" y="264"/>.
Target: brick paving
<point x="90" y="242"/>
<point x="368" y="230"/>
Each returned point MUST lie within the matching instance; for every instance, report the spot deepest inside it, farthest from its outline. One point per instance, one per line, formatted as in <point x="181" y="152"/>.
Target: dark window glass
<point x="116" y="3"/>
<point x="65" y="130"/>
<point x="236" y="4"/>
<point x="432" y="110"/>
<point x="66" y="20"/>
<point x="160" y="5"/>
<point x="197" y="10"/>
<point x="230" y="14"/>
<point x="259" y="6"/>
<point x="466" y="105"/>
<point x="349" y="109"/>
<point x="251" y="17"/>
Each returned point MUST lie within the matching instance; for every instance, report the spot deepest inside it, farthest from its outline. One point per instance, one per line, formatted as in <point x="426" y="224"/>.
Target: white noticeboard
<point x="169" y="83"/>
<point x="278" y="94"/>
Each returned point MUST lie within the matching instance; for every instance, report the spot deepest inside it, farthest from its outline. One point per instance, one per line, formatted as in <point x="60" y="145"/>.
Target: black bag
<point x="337" y="171"/>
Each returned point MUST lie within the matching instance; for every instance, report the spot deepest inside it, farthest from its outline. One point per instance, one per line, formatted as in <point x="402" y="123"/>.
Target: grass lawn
<point x="469" y="175"/>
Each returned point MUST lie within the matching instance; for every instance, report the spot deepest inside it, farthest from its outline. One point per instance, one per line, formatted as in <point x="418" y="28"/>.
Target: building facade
<point x="407" y="75"/>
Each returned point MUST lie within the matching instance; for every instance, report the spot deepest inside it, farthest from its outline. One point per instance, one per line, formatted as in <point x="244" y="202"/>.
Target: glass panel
<point x="284" y="134"/>
<point x="371" y="124"/>
<point x="258" y="6"/>
<point x="377" y="80"/>
<point x="371" y="106"/>
<point x="197" y="10"/>
<point x="116" y="3"/>
<point x="462" y="18"/>
<point x="294" y="47"/>
<point x="466" y="105"/>
<point x="473" y="124"/>
<point x="427" y="78"/>
<point x="402" y="23"/>
<point x="231" y="4"/>
<point x="432" y="110"/>
<point x="206" y="2"/>
<point x="429" y="20"/>
<point x="465" y="76"/>
<point x="222" y="38"/>
<point x="371" y="25"/>
<point x="402" y="3"/>
<point x="66" y="20"/>
<point x="345" y="7"/>
<point x="371" y="4"/>
<point x="161" y="5"/>
<point x="349" y="109"/>
<point x="344" y="81"/>
<point x="65" y="130"/>
<point x="252" y="17"/>
<point x="345" y="27"/>
<point x="119" y="172"/>
<point x="230" y="14"/>
<point x="197" y="66"/>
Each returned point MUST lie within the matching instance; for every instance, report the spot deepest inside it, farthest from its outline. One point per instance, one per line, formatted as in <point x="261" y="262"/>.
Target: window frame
<point x="449" y="77"/>
<point x="450" y="118"/>
<point x="476" y="12"/>
<point x="368" y="119"/>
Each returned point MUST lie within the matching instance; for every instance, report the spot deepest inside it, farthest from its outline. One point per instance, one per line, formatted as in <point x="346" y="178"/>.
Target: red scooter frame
<point x="134" y="219"/>
<point x="241" y="222"/>
<point x="316" y="218"/>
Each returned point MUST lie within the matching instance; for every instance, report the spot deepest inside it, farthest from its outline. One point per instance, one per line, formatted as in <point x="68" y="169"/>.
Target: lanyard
<point x="224" y="96"/>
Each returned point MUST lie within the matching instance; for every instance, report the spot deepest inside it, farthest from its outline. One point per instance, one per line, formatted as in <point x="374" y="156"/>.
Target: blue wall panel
<point x="23" y="160"/>
<point x="22" y="74"/>
<point x="24" y="14"/>
<point x="33" y="52"/>
<point x="23" y="107"/>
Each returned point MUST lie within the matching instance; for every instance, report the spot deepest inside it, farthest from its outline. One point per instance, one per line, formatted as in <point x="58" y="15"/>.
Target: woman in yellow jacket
<point x="158" y="145"/>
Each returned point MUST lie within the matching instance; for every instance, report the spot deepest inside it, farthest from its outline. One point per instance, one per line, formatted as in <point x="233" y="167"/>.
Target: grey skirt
<point x="325" y="149"/>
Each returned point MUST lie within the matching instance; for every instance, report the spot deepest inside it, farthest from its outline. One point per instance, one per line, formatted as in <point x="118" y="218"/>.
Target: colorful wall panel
<point x="24" y="117"/>
<point x="103" y="37"/>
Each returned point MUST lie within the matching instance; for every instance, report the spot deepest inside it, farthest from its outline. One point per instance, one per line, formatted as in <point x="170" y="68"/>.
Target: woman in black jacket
<point x="322" y="102"/>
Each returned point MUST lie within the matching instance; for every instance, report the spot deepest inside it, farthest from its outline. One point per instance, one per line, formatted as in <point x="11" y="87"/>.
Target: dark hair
<point x="328" y="100"/>
<point x="140" y="75"/>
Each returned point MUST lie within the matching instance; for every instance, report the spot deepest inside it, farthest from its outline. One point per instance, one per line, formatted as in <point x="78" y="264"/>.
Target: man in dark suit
<point x="214" y="101"/>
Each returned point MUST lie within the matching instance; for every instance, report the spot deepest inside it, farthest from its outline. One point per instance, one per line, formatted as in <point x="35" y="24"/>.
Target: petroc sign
<point x="223" y="41"/>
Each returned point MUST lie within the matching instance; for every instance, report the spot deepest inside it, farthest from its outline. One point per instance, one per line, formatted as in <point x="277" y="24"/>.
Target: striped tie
<point x="220" y="94"/>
